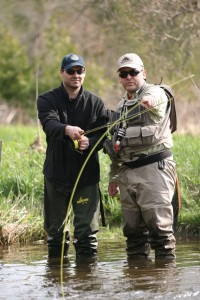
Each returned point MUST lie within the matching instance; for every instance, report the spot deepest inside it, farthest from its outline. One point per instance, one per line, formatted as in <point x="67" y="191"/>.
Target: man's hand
<point x="83" y="143"/>
<point x="74" y="132"/>
<point x="148" y="101"/>
<point x="113" y="189"/>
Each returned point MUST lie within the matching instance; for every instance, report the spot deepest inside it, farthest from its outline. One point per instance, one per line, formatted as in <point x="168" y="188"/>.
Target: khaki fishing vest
<point x="140" y="131"/>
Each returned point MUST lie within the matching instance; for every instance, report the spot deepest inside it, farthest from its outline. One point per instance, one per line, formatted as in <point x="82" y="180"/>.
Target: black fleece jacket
<point x="55" y="110"/>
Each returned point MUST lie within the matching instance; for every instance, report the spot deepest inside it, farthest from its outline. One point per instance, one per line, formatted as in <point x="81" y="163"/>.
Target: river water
<point x="26" y="274"/>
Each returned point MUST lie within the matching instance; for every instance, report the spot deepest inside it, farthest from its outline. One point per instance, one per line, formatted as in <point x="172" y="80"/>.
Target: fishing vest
<point x="136" y="131"/>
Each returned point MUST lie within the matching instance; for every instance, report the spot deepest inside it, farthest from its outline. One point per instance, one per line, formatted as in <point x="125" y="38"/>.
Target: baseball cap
<point x="131" y="60"/>
<point x="71" y="60"/>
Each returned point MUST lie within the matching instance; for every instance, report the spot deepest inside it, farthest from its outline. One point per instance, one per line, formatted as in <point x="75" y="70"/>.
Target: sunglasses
<point x="132" y="73"/>
<point x="72" y="72"/>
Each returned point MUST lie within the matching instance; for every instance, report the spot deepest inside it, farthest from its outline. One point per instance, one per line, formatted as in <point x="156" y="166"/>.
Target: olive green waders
<point x="146" y="196"/>
<point x="86" y="207"/>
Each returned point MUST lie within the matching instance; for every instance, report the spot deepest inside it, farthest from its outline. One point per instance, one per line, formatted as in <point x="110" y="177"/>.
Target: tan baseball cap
<point x="131" y="60"/>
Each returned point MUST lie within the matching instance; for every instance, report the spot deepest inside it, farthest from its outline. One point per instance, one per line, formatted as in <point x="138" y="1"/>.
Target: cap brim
<point x="74" y="64"/>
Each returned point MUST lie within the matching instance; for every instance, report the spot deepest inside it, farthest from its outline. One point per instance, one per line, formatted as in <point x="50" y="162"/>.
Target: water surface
<point x="25" y="273"/>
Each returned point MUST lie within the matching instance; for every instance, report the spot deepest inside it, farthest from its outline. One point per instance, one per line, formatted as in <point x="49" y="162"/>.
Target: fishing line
<point x="70" y="202"/>
<point x="75" y="186"/>
<point x="198" y="90"/>
<point x="188" y="77"/>
<point x="76" y="183"/>
<point x="135" y="115"/>
<point x="109" y="127"/>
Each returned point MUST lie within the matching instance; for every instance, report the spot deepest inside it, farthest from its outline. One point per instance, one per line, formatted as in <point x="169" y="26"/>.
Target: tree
<point x="165" y="33"/>
<point x="15" y="75"/>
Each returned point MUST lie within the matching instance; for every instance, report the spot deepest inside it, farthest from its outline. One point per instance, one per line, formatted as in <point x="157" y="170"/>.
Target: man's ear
<point x="144" y="74"/>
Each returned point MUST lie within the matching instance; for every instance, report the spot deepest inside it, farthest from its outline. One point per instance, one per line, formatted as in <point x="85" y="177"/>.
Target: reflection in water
<point x="25" y="273"/>
<point x="155" y="278"/>
<point x="78" y="277"/>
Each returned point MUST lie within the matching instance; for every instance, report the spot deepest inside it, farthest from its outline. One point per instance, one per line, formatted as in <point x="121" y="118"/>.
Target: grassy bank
<point x="21" y="186"/>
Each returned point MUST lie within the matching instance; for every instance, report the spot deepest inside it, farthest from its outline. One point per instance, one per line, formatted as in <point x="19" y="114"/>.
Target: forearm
<point x="156" y="101"/>
<point x="54" y="128"/>
<point x="49" y="119"/>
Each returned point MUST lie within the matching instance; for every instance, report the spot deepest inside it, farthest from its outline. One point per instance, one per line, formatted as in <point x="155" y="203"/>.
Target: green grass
<point x="21" y="185"/>
<point x="187" y="156"/>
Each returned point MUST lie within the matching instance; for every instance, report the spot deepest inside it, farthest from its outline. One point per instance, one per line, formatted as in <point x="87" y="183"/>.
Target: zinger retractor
<point x="76" y="144"/>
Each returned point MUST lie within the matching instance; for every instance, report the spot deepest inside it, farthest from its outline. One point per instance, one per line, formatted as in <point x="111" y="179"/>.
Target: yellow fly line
<point x="109" y="126"/>
<point x="78" y="177"/>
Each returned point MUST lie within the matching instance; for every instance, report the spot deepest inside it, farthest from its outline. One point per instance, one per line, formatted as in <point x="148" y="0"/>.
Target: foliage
<point x="187" y="156"/>
<point x="20" y="165"/>
<point x="21" y="187"/>
<point x="35" y="36"/>
<point x="45" y="41"/>
<point x="155" y="29"/>
<point x="15" y="75"/>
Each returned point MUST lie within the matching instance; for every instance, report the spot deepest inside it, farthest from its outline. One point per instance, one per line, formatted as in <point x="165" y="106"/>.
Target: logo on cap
<point x="74" y="57"/>
<point x="125" y="59"/>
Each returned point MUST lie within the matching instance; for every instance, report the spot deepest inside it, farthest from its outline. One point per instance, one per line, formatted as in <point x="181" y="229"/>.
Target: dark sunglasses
<point x="72" y="72"/>
<point x="132" y="73"/>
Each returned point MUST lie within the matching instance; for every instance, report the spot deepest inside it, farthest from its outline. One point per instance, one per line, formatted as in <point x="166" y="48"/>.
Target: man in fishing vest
<point x="142" y="164"/>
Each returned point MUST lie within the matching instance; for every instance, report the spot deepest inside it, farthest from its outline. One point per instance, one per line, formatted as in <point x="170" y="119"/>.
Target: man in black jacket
<point x="66" y="113"/>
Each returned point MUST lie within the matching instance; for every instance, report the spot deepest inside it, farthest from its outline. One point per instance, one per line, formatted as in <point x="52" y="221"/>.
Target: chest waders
<point x="119" y="134"/>
<point x="132" y="137"/>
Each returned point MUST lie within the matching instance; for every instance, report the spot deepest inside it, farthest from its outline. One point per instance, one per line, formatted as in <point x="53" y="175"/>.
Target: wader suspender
<point x="102" y="209"/>
<point x="121" y="127"/>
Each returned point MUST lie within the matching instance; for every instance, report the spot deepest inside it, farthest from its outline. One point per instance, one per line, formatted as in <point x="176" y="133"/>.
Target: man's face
<point x="132" y="79"/>
<point x="74" y="77"/>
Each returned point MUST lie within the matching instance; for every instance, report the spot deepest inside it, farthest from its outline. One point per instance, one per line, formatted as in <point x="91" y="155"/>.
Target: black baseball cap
<point x="72" y="60"/>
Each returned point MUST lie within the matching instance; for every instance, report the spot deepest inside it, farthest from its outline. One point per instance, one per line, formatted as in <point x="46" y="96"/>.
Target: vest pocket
<point x="132" y="137"/>
<point x="137" y="136"/>
<point x="149" y="134"/>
